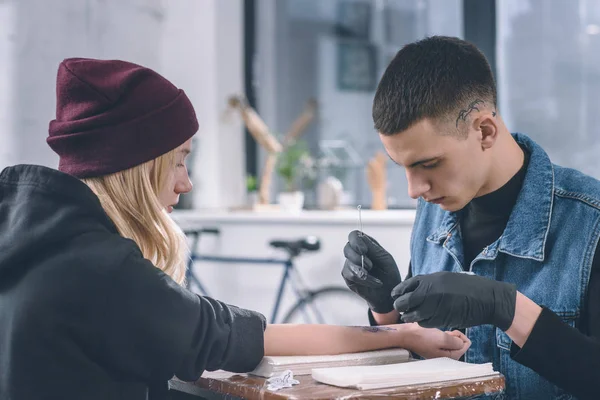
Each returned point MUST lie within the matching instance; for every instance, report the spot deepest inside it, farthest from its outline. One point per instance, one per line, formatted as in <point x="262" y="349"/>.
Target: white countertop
<point x="341" y="217"/>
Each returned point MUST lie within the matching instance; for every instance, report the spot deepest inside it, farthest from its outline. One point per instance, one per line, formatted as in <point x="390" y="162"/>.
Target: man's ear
<point x="487" y="128"/>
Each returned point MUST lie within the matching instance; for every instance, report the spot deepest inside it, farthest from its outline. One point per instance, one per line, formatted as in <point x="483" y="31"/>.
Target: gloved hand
<point x="380" y="274"/>
<point x="455" y="300"/>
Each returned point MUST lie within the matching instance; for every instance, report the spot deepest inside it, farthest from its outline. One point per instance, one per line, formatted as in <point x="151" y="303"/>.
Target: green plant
<point x="251" y="184"/>
<point x="290" y="164"/>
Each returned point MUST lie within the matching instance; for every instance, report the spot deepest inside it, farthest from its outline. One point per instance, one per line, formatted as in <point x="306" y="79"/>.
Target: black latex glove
<point x="380" y="275"/>
<point x="455" y="300"/>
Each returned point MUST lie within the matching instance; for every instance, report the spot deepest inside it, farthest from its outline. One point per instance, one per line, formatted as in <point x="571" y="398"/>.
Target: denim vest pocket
<point x="502" y="340"/>
<point x="568" y="318"/>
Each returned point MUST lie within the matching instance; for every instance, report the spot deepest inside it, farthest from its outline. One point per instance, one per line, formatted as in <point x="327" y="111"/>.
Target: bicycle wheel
<point x="329" y="305"/>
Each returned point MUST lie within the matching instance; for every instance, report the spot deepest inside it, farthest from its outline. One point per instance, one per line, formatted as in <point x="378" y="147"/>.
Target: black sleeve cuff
<point x="542" y="335"/>
<point x="372" y="321"/>
<point x="247" y="340"/>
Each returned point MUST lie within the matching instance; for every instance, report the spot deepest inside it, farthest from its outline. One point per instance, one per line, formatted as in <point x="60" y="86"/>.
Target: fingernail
<point x="358" y="271"/>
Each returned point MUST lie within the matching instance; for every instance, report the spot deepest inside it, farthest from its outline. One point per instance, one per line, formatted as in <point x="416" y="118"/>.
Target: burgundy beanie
<point x="112" y="115"/>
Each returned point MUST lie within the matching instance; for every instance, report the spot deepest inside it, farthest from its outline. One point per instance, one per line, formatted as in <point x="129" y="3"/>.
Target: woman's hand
<point x="456" y="354"/>
<point x="431" y="342"/>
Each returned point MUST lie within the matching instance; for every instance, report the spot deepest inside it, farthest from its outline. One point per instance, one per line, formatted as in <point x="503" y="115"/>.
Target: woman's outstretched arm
<point x="288" y="339"/>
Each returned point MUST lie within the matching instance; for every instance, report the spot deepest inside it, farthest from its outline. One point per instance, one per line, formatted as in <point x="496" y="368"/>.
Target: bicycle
<point x="312" y="306"/>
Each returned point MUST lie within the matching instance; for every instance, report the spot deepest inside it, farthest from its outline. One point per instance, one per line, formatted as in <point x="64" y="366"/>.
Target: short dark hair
<point x="431" y="78"/>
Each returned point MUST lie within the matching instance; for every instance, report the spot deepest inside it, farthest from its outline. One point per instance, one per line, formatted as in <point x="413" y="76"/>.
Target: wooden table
<point x="226" y="385"/>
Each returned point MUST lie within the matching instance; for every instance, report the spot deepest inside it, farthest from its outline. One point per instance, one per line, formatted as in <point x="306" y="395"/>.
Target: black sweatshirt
<point x="83" y="315"/>
<point x="562" y="354"/>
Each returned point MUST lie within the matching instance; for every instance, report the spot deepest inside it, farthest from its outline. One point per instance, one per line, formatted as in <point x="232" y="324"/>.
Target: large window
<point x="548" y="62"/>
<point x="334" y="51"/>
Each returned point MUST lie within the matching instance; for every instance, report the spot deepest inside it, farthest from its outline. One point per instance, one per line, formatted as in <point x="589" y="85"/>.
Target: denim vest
<point x="546" y="250"/>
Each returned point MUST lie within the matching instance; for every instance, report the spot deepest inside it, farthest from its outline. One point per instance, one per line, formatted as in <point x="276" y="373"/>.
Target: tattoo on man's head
<point x="463" y="114"/>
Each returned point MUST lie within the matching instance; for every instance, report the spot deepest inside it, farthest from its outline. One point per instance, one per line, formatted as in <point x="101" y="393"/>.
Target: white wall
<point x="7" y="87"/>
<point x="204" y="45"/>
<point x="195" y="44"/>
<point x="46" y="32"/>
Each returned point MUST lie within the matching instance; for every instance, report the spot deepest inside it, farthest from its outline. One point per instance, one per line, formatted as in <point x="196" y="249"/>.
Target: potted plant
<point x="292" y="166"/>
<point x="251" y="190"/>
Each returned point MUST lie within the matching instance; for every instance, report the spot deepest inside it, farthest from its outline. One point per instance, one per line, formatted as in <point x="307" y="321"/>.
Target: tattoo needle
<point x="360" y="230"/>
<point x="360" y="225"/>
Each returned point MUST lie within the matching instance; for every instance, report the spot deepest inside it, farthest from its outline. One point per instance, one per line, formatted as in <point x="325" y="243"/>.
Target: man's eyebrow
<point x="416" y="163"/>
<point x="185" y="151"/>
<point x="425" y="161"/>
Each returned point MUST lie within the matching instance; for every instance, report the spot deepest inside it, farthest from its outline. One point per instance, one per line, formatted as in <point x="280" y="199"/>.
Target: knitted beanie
<point x="112" y="115"/>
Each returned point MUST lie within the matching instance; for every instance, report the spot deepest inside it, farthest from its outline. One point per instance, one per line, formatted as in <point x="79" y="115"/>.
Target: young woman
<point x="92" y="303"/>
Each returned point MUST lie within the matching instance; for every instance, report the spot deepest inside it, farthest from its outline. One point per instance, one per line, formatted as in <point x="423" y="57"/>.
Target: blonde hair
<point x="130" y="199"/>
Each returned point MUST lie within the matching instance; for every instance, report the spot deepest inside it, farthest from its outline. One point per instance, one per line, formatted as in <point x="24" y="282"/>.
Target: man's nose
<point x="417" y="185"/>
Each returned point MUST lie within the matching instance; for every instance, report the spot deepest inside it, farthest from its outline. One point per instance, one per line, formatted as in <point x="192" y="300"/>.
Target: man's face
<point x="442" y="168"/>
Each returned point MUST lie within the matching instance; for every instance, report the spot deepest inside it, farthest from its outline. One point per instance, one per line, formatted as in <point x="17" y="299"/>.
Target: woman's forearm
<point x="527" y="313"/>
<point x="288" y="339"/>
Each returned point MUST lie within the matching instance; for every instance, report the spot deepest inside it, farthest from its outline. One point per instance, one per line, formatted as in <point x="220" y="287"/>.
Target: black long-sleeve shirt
<point x="563" y="355"/>
<point x="567" y="357"/>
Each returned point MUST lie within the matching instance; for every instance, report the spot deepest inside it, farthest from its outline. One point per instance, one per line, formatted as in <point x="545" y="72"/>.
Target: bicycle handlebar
<point x="292" y="248"/>
<point x="210" y="231"/>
